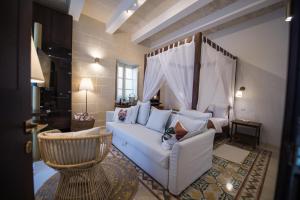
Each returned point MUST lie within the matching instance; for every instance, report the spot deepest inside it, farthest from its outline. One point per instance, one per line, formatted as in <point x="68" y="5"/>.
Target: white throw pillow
<point x="87" y="132"/>
<point x="144" y="112"/>
<point x="189" y="123"/>
<point x="92" y="131"/>
<point x="195" y="114"/>
<point x="158" y="119"/>
<point x="129" y="114"/>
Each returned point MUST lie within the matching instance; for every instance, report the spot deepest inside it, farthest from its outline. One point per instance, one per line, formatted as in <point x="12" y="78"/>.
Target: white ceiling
<point x="154" y="23"/>
<point x="101" y="10"/>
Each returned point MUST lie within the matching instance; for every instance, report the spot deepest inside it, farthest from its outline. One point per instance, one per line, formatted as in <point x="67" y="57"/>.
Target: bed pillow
<point x="195" y="114"/>
<point x="189" y="123"/>
<point x="221" y="111"/>
<point x="158" y="119"/>
<point x="126" y="115"/>
<point x="144" y="112"/>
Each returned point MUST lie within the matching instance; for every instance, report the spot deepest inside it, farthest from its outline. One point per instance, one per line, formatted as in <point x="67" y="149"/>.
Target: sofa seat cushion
<point x="143" y="139"/>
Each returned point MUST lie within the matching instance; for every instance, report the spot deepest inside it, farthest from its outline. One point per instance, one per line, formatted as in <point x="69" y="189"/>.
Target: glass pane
<point x="128" y="93"/>
<point x="119" y="94"/>
<point x="128" y="72"/>
<point x="120" y="72"/>
<point x="135" y="73"/>
<point x="120" y="83"/>
<point x="128" y="84"/>
<point x="135" y="88"/>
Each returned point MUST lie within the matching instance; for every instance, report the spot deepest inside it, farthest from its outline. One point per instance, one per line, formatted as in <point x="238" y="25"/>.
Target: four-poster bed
<point x="208" y="59"/>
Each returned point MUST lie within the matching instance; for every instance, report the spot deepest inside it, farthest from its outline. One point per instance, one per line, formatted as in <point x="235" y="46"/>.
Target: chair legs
<point x="85" y="184"/>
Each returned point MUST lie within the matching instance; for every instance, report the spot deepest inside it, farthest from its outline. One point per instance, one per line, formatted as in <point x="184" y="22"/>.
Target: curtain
<point x="226" y="68"/>
<point x="177" y="65"/>
<point x="154" y="78"/>
<point x="217" y="76"/>
<point x="208" y="82"/>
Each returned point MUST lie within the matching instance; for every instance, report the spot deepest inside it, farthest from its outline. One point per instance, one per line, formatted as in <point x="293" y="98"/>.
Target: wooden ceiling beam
<point x="75" y="8"/>
<point x="178" y="11"/>
<point x="122" y="13"/>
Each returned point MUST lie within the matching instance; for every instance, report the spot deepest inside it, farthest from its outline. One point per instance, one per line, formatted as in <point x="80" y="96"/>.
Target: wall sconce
<point x="239" y="93"/>
<point x="97" y="61"/>
<point x="288" y="11"/>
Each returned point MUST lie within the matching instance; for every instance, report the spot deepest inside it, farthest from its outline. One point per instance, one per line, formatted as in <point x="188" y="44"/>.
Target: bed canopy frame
<point x="199" y="39"/>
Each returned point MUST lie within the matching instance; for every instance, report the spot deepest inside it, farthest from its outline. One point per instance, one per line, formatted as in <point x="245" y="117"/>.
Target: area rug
<point x="231" y="153"/>
<point x="226" y="180"/>
<point x="122" y="175"/>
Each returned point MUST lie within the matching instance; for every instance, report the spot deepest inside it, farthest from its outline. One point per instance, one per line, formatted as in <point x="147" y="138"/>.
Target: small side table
<point x="79" y="125"/>
<point x="256" y="126"/>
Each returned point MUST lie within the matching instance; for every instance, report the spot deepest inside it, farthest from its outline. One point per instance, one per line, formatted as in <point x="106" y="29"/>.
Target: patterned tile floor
<point x="42" y="173"/>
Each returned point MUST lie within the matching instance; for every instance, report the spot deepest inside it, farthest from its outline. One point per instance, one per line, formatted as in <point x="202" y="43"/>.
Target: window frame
<point x="125" y="65"/>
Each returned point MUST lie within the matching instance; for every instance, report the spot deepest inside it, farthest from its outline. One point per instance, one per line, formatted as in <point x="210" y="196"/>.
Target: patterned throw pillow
<point x="180" y="131"/>
<point x="122" y="115"/>
<point x="210" y="124"/>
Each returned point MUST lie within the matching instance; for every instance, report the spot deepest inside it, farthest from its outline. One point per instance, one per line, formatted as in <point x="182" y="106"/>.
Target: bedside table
<point x="256" y="126"/>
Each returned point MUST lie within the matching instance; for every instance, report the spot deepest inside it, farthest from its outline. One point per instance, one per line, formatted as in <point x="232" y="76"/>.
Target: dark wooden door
<point x="16" y="178"/>
<point x="288" y="179"/>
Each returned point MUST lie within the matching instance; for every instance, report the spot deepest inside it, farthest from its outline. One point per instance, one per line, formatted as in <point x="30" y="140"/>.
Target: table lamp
<point x="86" y="85"/>
<point x="36" y="77"/>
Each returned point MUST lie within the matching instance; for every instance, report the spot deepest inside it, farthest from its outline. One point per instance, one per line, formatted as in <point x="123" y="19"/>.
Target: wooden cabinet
<point x="57" y="27"/>
<point x="57" y="48"/>
<point x="61" y="30"/>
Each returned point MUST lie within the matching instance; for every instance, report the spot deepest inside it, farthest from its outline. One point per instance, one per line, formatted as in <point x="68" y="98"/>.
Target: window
<point x="127" y="78"/>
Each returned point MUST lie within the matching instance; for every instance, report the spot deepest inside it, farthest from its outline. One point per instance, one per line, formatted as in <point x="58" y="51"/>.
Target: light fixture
<point x="36" y="69"/>
<point x="239" y="93"/>
<point x="35" y="78"/>
<point x="288" y="11"/>
<point x="135" y="6"/>
<point x="229" y="186"/>
<point x="86" y="85"/>
<point x="97" y="60"/>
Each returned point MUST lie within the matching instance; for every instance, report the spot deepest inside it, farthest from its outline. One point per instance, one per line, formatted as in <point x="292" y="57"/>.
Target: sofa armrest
<point x="109" y="116"/>
<point x="189" y="159"/>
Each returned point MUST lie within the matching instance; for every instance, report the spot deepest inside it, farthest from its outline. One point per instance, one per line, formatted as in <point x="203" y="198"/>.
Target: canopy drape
<point x="217" y="79"/>
<point x="178" y="67"/>
<point x="154" y="78"/>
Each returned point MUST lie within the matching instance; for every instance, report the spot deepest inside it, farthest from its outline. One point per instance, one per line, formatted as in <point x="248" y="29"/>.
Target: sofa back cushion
<point x="158" y="119"/>
<point x="144" y="112"/>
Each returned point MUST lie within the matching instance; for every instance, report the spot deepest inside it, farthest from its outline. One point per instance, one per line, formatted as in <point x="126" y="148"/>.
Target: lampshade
<point x="239" y="93"/>
<point x="86" y="84"/>
<point x="36" y="70"/>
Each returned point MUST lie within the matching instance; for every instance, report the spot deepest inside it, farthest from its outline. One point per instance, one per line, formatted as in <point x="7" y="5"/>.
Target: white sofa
<point x="175" y="169"/>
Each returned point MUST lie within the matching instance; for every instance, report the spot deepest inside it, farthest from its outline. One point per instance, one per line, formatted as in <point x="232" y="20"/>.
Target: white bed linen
<point x="219" y="123"/>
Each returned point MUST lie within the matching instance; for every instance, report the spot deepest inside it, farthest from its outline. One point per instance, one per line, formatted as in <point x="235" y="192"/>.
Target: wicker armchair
<point x="77" y="157"/>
